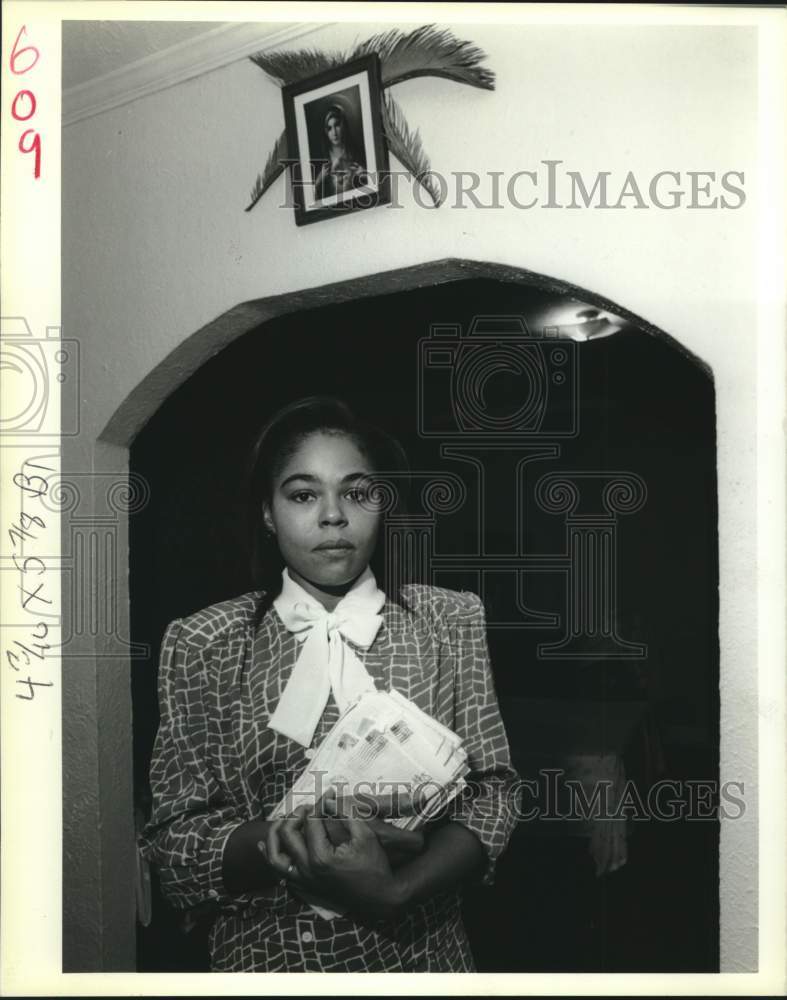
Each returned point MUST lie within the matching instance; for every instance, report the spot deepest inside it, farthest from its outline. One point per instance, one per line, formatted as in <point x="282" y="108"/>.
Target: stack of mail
<point x="384" y="745"/>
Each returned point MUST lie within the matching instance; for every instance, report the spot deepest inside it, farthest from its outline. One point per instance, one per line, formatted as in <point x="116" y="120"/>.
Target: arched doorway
<point x="646" y="409"/>
<point x="630" y="410"/>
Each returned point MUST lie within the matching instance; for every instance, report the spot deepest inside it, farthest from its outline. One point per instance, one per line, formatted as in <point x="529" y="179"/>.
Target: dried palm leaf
<point x="292" y="67"/>
<point x="274" y="166"/>
<point x="408" y="149"/>
<point x="426" y="51"/>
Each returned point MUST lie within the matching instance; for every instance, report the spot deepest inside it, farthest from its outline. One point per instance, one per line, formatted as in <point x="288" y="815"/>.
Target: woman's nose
<point x="332" y="512"/>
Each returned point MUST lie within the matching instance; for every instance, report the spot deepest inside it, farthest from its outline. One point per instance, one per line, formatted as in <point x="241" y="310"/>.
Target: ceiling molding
<point x="184" y="61"/>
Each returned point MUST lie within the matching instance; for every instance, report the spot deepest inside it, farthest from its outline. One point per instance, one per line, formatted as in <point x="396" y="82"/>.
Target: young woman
<point x="250" y="686"/>
<point x="342" y="170"/>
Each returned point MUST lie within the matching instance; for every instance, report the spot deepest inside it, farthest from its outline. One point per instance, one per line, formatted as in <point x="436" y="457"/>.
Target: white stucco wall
<point x="156" y="244"/>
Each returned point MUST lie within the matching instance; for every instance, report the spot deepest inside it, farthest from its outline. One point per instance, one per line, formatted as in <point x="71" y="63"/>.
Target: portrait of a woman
<point x="242" y="712"/>
<point x="342" y="167"/>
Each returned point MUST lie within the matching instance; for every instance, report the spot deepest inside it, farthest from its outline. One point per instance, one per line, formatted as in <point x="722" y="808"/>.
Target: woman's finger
<point x="317" y="842"/>
<point x="291" y="837"/>
<point x="277" y="857"/>
<point x="395" y="803"/>
<point x="360" y="831"/>
<point x="327" y="804"/>
<point x="336" y="830"/>
<point x="409" y="841"/>
<point x="366" y="805"/>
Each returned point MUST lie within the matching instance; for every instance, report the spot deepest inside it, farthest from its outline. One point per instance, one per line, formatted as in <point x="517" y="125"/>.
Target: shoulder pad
<point x="217" y="620"/>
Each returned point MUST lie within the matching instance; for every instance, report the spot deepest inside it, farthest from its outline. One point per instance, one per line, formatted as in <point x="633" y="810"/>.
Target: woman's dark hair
<point x="334" y="111"/>
<point x="277" y="442"/>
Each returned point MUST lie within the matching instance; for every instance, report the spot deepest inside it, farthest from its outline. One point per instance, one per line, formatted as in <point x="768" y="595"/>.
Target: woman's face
<point x="334" y="129"/>
<point x="325" y="525"/>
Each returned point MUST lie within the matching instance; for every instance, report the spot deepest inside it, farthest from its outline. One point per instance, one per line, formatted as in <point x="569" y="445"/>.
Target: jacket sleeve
<point x="488" y="807"/>
<point x="191" y="819"/>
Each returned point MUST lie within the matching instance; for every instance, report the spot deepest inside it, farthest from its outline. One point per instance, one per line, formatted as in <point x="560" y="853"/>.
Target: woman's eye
<point x="358" y="495"/>
<point x="301" y="496"/>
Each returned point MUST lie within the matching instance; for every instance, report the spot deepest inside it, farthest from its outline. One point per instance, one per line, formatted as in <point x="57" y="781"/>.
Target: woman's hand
<point x="356" y="872"/>
<point x="399" y="845"/>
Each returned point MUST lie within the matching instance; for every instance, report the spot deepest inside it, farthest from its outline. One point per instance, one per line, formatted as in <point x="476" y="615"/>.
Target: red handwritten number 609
<point x="22" y="61"/>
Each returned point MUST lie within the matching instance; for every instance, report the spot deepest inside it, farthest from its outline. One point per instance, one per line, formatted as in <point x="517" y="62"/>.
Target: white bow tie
<point x="325" y="663"/>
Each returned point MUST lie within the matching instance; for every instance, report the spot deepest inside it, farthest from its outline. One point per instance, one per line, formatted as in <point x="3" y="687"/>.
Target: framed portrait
<point x="337" y="153"/>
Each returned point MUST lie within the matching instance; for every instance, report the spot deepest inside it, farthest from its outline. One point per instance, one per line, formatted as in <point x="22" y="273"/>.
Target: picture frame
<point x="338" y="157"/>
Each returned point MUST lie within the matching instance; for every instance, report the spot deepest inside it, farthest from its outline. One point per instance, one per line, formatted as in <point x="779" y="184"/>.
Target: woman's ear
<point x="267" y="519"/>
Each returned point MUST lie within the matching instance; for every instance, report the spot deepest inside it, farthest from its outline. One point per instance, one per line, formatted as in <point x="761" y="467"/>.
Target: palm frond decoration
<point x="427" y="51"/>
<point x="291" y="67"/>
<point x="274" y="166"/>
<point x="408" y="149"/>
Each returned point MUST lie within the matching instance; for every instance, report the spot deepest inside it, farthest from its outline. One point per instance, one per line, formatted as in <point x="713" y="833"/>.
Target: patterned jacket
<point x="216" y="765"/>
